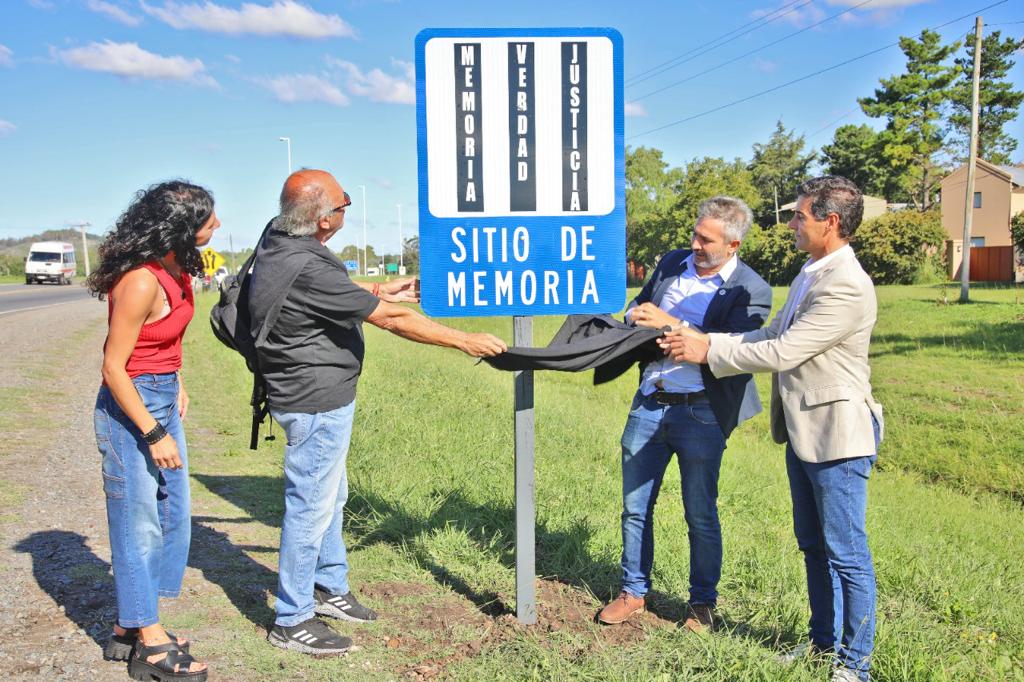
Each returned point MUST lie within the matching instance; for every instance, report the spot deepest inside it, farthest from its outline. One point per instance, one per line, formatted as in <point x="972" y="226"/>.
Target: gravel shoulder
<point x="55" y="580"/>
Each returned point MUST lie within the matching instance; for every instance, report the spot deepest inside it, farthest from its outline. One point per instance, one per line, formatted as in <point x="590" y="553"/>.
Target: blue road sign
<point x="522" y="206"/>
<point x="351" y="265"/>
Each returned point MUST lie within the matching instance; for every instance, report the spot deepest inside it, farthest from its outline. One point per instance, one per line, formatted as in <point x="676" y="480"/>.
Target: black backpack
<point x="229" y="319"/>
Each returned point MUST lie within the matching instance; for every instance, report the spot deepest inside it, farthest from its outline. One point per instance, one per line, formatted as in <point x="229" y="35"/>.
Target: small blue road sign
<point x="351" y="265"/>
<point x="522" y="205"/>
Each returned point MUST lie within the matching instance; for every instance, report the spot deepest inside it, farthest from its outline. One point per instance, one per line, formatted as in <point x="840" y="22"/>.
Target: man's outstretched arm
<point x="409" y="324"/>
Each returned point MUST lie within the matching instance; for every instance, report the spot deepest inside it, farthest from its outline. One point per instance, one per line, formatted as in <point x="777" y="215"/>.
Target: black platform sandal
<point x="174" y="667"/>
<point x="119" y="648"/>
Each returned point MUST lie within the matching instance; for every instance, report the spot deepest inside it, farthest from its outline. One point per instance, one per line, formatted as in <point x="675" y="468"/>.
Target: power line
<point x="710" y="45"/>
<point x="829" y="125"/>
<point x="803" y="78"/>
<point x="747" y="54"/>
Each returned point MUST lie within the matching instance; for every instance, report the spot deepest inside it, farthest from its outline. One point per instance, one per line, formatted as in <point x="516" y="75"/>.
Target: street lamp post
<point x="401" y="241"/>
<point x="365" y="264"/>
<point x="288" y="141"/>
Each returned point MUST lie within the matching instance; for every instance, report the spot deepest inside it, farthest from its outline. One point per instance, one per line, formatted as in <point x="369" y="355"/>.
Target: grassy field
<point x="430" y="518"/>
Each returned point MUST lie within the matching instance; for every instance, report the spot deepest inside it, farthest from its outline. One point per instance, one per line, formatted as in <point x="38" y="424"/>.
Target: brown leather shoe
<point x="624" y="606"/>
<point x="700" y="618"/>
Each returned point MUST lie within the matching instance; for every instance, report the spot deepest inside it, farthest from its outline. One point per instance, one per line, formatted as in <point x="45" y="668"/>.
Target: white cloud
<point x="304" y="88"/>
<point x="283" y="17"/>
<point x="378" y="86"/>
<point x="42" y="4"/>
<point x="114" y="12"/>
<point x="6" y="56"/>
<point x="6" y="128"/>
<point x="765" y="65"/>
<point x="634" y="109"/>
<point x="128" y="60"/>
<point x="234" y="59"/>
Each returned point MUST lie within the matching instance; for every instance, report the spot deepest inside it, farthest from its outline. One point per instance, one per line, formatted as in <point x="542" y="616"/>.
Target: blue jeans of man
<point x="148" y="509"/>
<point x="315" y="492"/>
<point x="653" y="433"/>
<point x="829" y="521"/>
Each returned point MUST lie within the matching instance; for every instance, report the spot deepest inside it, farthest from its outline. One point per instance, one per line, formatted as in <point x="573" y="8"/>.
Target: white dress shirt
<point x="687" y="299"/>
<point x="806" y="276"/>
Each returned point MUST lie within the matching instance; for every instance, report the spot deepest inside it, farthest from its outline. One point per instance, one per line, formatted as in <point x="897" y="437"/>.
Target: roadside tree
<point x="998" y="102"/>
<point x="913" y="104"/>
<point x="780" y="165"/>
<point x="902" y="247"/>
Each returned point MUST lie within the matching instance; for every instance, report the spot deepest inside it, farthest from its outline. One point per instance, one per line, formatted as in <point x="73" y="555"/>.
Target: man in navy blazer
<point x="682" y="408"/>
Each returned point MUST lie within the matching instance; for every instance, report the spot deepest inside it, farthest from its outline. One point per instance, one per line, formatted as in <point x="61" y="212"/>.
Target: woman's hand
<point x="165" y="453"/>
<point x="182" y="401"/>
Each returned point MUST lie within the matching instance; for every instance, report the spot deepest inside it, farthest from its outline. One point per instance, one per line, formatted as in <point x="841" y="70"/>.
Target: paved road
<point x="18" y="297"/>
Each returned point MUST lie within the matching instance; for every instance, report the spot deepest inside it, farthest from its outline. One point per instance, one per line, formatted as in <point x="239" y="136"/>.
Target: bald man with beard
<point x="311" y="360"/>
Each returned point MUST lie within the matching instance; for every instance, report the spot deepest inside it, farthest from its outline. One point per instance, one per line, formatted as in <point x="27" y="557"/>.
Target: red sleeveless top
<point x="158" y="348"/>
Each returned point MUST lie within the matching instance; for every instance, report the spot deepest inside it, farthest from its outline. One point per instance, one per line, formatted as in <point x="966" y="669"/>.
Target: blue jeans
<point x="147" y="508"/>
<point x="829" y="510"/>
<point x="315" y="491"/>
<point x="653" y="433"/>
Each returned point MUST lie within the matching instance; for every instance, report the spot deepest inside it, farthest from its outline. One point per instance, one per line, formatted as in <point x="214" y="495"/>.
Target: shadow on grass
<point x="999" y="338"/>
<point x="74" y="577"/>
<point x="371" y="519"/>
<point x="562" y="554"/>
<point x="245" y="581"/>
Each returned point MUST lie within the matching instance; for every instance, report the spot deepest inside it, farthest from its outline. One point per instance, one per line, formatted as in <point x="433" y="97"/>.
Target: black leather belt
<point x="666" y="398"/>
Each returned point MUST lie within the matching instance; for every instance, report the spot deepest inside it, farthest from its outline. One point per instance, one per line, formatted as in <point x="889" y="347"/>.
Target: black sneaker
<point x="345" y="606"/>
<point x="309" y="637"/>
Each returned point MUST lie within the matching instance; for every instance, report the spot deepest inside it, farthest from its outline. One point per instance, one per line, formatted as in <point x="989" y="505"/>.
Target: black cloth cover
<point x="586" y="342"/>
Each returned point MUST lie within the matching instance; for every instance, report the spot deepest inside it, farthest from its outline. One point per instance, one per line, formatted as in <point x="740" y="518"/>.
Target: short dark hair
<point x="835" y="194"/>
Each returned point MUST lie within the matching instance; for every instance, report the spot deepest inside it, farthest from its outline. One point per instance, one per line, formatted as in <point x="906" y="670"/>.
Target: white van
<point x="50" y="262"/>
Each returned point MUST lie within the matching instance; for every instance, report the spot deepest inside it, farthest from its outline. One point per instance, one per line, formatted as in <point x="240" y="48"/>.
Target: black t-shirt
<point x="313" y="355"/>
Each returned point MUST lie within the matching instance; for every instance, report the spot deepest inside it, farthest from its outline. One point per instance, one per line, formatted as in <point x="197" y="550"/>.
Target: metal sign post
<point x="522" y="196"/>
<point x="526" y="513"/>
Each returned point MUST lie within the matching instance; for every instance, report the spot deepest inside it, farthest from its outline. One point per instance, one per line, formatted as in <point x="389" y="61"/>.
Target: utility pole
<point x="775" y="190"/>
<point x="85" y="244"/>
<point x="231" y="245"/>
<point x="972" y="162"/>
<point x="365" y="264"/>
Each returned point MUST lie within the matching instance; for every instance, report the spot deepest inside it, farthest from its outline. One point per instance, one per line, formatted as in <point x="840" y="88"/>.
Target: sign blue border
<point x="609" y="266"/>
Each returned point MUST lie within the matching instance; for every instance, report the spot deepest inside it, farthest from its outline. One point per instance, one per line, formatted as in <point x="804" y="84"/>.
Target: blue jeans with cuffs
<point x="315" y="491"/>
<point x="148" y="509"/>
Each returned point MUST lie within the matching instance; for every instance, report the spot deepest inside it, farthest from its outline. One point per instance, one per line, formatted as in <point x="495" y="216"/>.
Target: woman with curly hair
<point x="146" y="265"/>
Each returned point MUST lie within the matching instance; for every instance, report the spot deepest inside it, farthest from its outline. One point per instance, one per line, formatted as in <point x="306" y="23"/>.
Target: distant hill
<point x="19" y="246"/>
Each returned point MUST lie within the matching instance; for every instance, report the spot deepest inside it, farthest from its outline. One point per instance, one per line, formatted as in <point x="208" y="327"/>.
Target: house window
<point x="977" y="200"/>
<point x="977" y="241"/>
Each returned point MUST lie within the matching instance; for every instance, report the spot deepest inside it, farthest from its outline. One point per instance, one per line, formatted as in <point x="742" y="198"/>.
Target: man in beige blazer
<point x="817" y="350"/>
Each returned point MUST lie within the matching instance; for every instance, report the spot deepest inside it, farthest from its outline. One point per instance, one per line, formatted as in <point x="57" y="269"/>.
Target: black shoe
<point x="309" y="637"/>
<point x="345" y="606"/>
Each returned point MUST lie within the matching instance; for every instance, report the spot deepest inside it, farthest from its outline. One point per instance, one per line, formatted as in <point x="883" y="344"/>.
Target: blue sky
<point x="99" y="98"/>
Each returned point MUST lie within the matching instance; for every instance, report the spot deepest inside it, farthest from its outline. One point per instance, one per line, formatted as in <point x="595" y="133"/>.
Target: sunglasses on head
<point x="348" y="202"/>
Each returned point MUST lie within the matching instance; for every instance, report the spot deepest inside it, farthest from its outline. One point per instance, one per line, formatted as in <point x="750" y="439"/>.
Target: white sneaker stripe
<point x="299" y="634"/>
<point x="346" y="607"/>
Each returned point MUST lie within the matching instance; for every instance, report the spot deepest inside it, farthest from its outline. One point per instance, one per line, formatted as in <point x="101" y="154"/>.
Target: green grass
<point x="430" y="518"/>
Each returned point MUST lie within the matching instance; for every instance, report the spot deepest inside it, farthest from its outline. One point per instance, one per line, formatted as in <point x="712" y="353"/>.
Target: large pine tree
<point x="856" y="154"/>
<point x="913" y="104"/>
<point x="998" y="102"/>
<point x="779" y="164"/>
